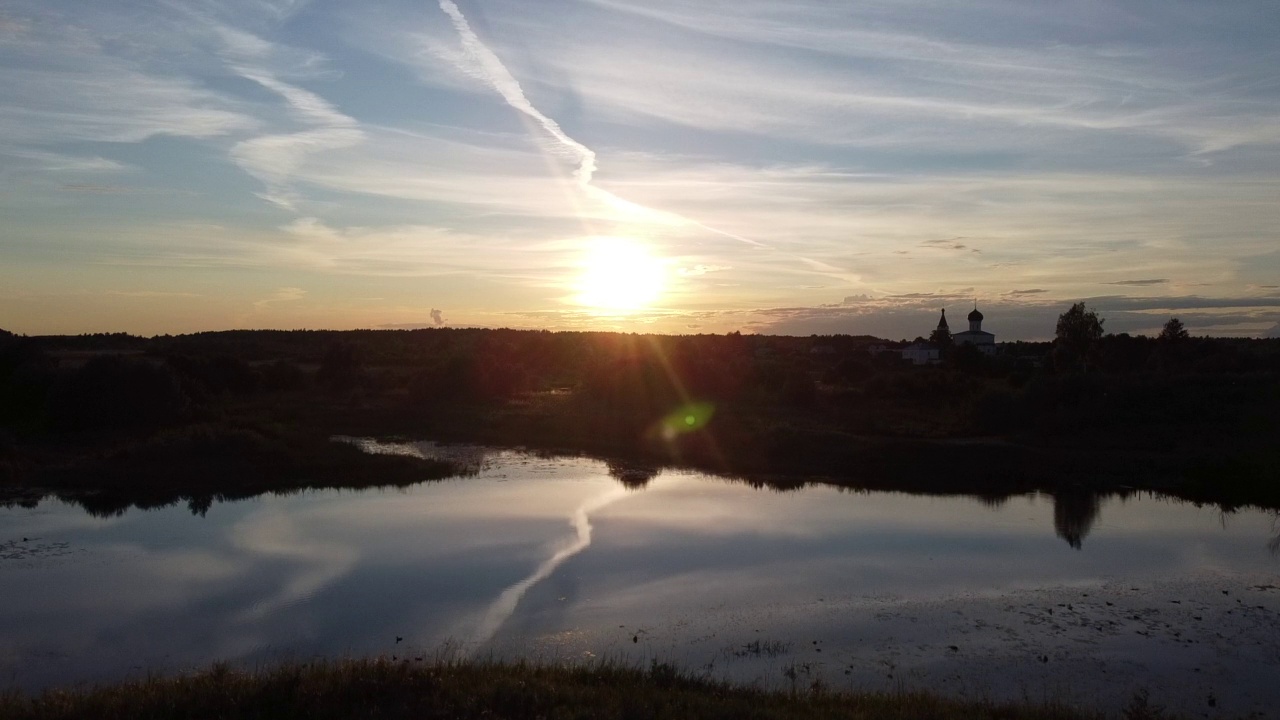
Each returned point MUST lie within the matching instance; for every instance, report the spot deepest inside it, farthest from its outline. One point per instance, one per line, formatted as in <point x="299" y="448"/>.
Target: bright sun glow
<point x="619" y="275"/>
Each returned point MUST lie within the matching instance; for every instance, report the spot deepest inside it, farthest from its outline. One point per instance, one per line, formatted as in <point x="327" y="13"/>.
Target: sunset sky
<point x="676" y="166"/>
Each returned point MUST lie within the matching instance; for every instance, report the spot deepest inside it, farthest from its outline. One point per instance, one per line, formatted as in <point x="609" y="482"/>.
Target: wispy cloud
<point x="778" y="159"/>
<point x="952" y="244"/>
<point x="424" y="251"/>
<point x="1153" y="281"/>
<point x="702" y="269"/>
<point x="63" y="83"/>
<point x="282" y="295"/>
<point x="64" y="163"/>
<point x="94" y="189"/>
<point x="928" y="67"/>
<point x="153" y="294"/>
<point x="484" y="64"/>
<point x="276" y="158"/>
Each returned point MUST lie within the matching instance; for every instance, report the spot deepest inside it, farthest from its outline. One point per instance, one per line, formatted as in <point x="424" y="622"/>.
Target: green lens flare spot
<point x="687" y="418"/>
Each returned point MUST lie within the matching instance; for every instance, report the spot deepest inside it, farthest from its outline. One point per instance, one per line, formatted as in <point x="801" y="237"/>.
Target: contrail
<point x="497" y="75"/>
<point x="505" y="605"/>
<point x="489" y="68"/>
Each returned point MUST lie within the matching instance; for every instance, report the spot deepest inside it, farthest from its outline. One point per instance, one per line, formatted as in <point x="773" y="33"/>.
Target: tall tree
<point x="1173" y="345"/>
<point x="1173" y="332"/>
<point x="941" y="336"/>
<point x="1078" y="332"/>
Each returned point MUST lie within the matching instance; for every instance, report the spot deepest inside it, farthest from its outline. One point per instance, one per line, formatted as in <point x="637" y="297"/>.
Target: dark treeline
<point x="1195" y="416"/>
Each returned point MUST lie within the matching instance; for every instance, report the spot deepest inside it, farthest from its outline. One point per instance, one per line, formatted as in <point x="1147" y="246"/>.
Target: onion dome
<point x="975" y="316"/>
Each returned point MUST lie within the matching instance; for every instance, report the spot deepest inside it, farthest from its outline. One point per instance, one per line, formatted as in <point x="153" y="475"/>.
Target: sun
<point x="619" y="275"/>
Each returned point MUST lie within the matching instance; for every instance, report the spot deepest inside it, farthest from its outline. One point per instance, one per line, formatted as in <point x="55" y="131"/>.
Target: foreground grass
<point x="382" y="688"/>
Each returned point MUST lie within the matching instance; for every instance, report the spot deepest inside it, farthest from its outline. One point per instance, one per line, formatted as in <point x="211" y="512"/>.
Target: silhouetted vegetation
<point x="196" y="464"/>
<point x="384" y="688"/>
<point x="113" y="392"/>
<point x="1078" y="332"/>
<point x="187" y="416"/>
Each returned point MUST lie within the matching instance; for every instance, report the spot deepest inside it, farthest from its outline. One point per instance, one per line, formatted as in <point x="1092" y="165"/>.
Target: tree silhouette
<point x="112" y="391"/>
<point x="1074" y="513"/>
<point x="630" y="475"/>
<point x="1173" y="345"/>
<point x="941" y="336"/>
<point x="1173" y="332"/>
<point x="1078" y="332"/>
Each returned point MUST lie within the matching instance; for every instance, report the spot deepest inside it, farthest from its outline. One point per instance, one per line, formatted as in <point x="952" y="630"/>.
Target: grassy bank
<point x="385" y="689"/>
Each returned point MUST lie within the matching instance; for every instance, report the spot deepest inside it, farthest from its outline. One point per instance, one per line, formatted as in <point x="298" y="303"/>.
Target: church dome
<point x="975" y="316"/>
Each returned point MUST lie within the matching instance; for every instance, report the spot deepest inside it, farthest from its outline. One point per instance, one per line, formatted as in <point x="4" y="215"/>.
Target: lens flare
<point x="685" y="419"/>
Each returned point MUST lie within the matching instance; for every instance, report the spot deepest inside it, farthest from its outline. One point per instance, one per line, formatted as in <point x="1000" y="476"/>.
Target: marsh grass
<point x="762" y="648"/>
<point x="382" y="688"/>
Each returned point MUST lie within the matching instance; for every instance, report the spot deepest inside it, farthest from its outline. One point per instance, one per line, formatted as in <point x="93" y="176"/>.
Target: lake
<point x="1074" y="598"/>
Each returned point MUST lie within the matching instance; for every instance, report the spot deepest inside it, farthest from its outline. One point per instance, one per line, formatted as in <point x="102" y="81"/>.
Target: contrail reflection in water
<point x="505" y="605"/>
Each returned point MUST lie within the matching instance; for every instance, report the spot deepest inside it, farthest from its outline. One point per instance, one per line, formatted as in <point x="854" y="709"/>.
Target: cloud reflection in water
<point x="505" y="605"/>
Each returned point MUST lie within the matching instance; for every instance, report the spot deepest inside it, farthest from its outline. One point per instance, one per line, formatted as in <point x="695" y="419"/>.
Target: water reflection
<point x="1074" y="512"/>
<point x="505" y="605"/>
<point x="556" y="557"/>
<point x="631" y="475"/>
<point x="994" y="501"/>
<point x="469" y="459"/>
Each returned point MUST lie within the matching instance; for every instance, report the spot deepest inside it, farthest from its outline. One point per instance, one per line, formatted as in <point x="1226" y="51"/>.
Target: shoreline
<point x="229" y="462"/>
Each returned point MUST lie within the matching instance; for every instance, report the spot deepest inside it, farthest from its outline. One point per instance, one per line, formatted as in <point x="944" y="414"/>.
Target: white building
<point x="922" y="353"/>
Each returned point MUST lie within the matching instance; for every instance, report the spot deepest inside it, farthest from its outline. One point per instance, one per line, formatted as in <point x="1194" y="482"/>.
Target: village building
<point x="922" y="353"/>
<point x="984" y="341"/>
<point x="927" y="353"/>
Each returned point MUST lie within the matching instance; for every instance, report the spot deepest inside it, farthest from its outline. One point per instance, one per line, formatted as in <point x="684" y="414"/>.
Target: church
<point x="975" y="335"/>
<point x="924" y="353"/>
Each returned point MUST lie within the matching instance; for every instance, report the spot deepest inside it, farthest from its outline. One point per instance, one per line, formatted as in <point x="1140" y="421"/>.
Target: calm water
<point x="1069" y="598"/>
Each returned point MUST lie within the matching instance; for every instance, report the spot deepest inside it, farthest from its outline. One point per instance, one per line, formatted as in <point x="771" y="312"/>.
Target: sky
<point x="175" y="166"/>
